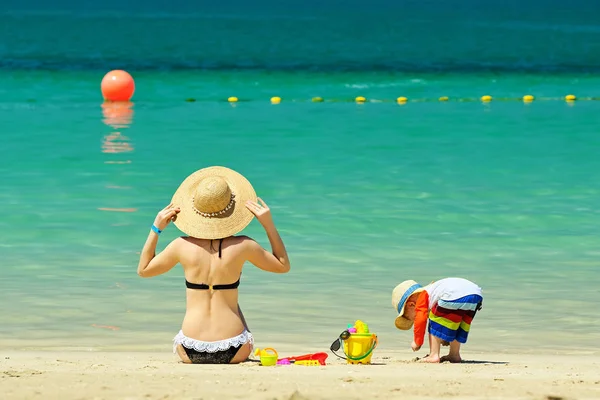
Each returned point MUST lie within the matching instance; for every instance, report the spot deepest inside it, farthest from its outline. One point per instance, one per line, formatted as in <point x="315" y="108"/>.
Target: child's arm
<point x="421" y="316"/>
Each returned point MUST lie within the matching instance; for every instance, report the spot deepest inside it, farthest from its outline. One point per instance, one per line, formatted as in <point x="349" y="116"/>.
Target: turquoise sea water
<point x="364" y="195"/>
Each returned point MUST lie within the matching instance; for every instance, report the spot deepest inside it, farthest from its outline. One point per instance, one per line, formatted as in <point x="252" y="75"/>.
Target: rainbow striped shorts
<point x="450" y="320"/>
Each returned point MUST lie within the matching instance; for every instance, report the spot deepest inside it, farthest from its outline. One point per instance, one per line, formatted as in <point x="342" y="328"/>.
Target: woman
<point x="211" y="206"/>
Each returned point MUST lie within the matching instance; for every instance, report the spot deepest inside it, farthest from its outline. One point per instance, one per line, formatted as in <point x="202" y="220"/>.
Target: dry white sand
<point x="113" y="375"/>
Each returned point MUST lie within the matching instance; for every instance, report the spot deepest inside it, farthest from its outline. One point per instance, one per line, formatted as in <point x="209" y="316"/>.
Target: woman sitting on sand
<point x="211" y="206"/>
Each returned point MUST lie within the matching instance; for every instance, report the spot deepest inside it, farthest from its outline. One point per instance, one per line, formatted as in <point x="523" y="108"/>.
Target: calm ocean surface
<point x="365" y="195"/>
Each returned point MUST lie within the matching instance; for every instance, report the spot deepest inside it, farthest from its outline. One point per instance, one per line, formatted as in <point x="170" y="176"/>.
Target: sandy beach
<point x="113" y="375"/>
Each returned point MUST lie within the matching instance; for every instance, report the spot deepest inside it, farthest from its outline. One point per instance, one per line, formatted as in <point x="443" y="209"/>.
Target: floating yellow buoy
<point x="275" y="100"/>
<point x="528" y="98"/>
<point x="444" y="98"/>
<point x="570" y="97"/>
<point x="360" y="99"/>
<point x="232" y="99"/>
<point x="401" y="100"/>
<point x="317" y="99"/>
<point x="486" y="98"/>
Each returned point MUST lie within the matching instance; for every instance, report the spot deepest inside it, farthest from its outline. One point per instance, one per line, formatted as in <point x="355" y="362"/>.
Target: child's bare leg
<point x="454" y="354"/>
<point x="435" y="344"/>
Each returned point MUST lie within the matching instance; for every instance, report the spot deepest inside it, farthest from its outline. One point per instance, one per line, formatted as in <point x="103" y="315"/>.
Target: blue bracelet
<point x="155" y="229"/>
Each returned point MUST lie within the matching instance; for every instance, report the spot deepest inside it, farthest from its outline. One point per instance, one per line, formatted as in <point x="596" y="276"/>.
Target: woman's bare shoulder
<point x="241" y="239"/>
<point x="188" y="239"/>
<point x="244" y="242"/>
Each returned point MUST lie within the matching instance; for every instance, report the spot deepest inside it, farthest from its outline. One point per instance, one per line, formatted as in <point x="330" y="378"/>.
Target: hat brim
<point x="235" y="220"/>
<point x="402" y="322"/>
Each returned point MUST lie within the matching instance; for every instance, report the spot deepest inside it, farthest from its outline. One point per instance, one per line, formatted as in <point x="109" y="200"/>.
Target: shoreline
<point x="399" y="351"/>
<point x="150" y="375"/>
<point x="396" y="344"/>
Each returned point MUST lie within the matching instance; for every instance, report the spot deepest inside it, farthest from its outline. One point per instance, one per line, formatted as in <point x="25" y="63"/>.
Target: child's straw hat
<point x="400" y="295"/>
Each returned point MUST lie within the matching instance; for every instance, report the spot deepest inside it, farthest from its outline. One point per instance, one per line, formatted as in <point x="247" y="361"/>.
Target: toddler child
<point x="449" y="305"/>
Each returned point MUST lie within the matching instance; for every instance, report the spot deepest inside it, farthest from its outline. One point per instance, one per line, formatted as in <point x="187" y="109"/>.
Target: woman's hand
<point x="261" y="211"/>
<point x="165" y="216"/>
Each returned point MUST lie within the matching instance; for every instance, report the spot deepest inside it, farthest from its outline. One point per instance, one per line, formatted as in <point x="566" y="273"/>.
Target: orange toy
<point x="117" y="85"/>
<point x="320" y="357"/>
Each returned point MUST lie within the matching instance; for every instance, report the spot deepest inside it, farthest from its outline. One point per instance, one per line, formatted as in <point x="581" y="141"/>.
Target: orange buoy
<point x="117" y="85"/>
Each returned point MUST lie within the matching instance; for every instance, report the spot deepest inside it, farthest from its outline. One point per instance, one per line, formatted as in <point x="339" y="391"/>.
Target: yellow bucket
<point x="268" y="356"/>
<point x="359" y="347"/>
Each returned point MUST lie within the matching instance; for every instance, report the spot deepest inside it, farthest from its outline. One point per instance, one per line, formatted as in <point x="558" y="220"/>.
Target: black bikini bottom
<point x="205" y="357"/>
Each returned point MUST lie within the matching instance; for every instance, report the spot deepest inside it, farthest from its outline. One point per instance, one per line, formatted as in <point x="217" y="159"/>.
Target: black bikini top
<point x="204" y="286"/>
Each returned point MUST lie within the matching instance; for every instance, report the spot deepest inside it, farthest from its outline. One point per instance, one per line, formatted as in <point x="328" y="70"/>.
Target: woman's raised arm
<point x="278" y="260"/>
<point x="150" y="264"/>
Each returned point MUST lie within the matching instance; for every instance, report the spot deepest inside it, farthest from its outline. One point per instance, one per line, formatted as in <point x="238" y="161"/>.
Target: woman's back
<point x="211" y="206"/>
<point x="212" y="314"/>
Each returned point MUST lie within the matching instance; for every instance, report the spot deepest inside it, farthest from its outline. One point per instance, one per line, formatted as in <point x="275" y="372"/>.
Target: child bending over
<point x="449" y="305"/>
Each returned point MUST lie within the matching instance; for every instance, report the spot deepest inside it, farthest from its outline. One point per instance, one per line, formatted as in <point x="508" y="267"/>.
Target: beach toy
<point x="309" y="363"/>
<point x="319" y="358"/>
<point x="284" y="361"/>
<point x="358" y="347"/>
<point x="117" y="85"/>
<point x="268" y="356"/>
<point x="352" y="330"/>
<point x="361" y="327"/>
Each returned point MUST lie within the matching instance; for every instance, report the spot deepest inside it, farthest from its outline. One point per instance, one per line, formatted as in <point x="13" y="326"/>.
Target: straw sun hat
<point x="400" y="295"/>
<point x="213" y="203"/>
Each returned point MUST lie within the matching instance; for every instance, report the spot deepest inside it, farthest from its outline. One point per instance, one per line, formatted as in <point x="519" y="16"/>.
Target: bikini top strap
<point x="220" y="245"/>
